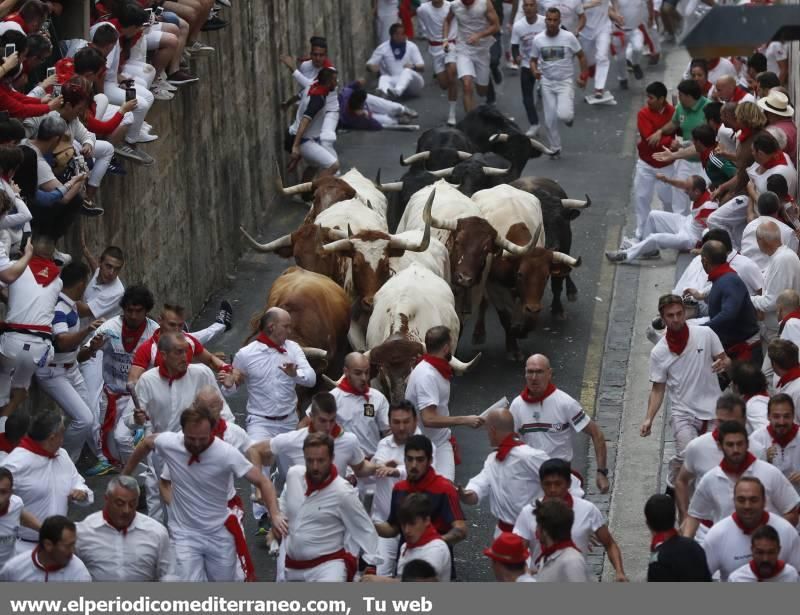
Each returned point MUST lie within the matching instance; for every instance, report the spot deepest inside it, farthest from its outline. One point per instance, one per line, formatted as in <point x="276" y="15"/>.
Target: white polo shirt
<point x="701" y="455"/>
<point x="745" y="574"/>
<point x="289" y="446"/>
<point x="383" y="57"/>
<point x="713" y="496"/>
<point x="522" y="34"/>
<point x="25" y="567"/>
<point x="366" y="419"/>
<point x="103" y="299"/>
<point x="588" y="519"/>
<point x="727" y="547"/>
<point x="792" y="389"/>
<point x="693" y="388"/>
<point x="435" y="552"/>
<point x="9" y="528"/>
<point x="756" y="409"/>
<point x="427" y="387"/>
<point x="270" y="392"/>
<point x="44" y="485"/>
<point x="546" y="425"/>
<point x="30" y="303"/>
<point x="200" y="490"/>
<point x="142" y="553"/>
<point x="117" y="360"/>
<point x="791" y="331"/>
<point x="787" y="459"/>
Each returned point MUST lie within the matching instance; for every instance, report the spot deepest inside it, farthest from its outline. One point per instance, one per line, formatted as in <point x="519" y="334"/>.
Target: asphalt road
<point x="597" y="158"/>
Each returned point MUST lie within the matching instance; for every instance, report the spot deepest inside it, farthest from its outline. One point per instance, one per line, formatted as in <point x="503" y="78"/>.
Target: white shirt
<point x="727" y="547"/>
<point x="384" y="58"/>
<point x="713" y="497"/>
<point x="427" y="387"/>
<point x="756" y="409"/>
<point x="29" y="303"/>
<point x="746" y="575"/>
<point x="634" y="13"/>
<point x="760" y="179"/>
<point x="693" y="388"/>
<point x="435" y="552"/>
<point x="571" y="10"/>
<point x="783" y="272"/>
<point x="546" y="425"/>
<point x="44" y="485"/>
<point x="556" y="55"/>
<point x="471" y="20"/>
<point x="775" y="52"/>
<point x="200" y="490"/>
<point x="65" y="320"/>
<point x="792" y="389"/>
<point x="386" y="7"/>
<point x="588" y="519"/>
<point x="522" y="34"/>
<point x="748" y="271"/>
<point x="103" y="299"/>
<point x="791" y="331"/>
<point x="22" y="568"/>
<point x="750" y="245"/>
<point x="270" y="392"/>
<point x="289" y="446"/>
<point x="321" y="520"/>
<point x="117" y="360"/>
<point x="787" y="460"/>
<point x="165" y="400"/>
<point x="509" y="484"/>
<point x="9" y="527"/>
<point x="723" y="67"/>
<point x="141" y="554"/>
<point x="388" y="450"/>
<point x="431" y="22"/>
<point x="366" y="420"/>
<point x="701" y="455"/>
<point x="597" y="19"/>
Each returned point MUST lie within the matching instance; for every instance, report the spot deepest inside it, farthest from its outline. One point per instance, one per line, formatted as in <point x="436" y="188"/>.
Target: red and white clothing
<point x="756" y="408"/>
<point x="750" y="245"/>
<point x="26" y="567"/>
<point x="44" y="483"/>
<point x="791" y="328"/>
<point x="365" y="416"/>
<point x="785" y="573"/>
<point x="289" y="447"/>
<point x="545" y="423"/>
<point x="787" y="458"/>
<point x="202" y="526"/>
<point x="571" y="10"/>
<point x="713" y="496"/>
<point x="472" y="60"/>
<point x="395" y="77"/>
<point x="147" y="355"/>
<point x="324" y="515"/>
<point x="781" y="165"/>
<point x="789" y="384"/>
<point x="782" y="272"/>
<point x="588" y="519"/>
<point x="140" y="552"/>
<point x="727" y="544"/>
<point x="429" y="548"/>
<point x="9" y="527"/>
<point x="430" y="21"/>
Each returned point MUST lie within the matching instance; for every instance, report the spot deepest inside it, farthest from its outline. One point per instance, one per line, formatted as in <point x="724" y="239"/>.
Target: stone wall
<point x="178" y="221"/>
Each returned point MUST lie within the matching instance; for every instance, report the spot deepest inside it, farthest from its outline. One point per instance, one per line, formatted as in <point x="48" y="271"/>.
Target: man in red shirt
<point x="656" y="113"/>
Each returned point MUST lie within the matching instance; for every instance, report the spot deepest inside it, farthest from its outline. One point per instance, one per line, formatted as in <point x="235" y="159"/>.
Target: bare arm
<point x="29" y="520"/>
<point x="682" y="483"/>
<point x="433" y="421"/>
<point x="613" y="551"/>
<point x="689" y="527"/>
<point x="145" y="447"/>
<point x="386" y="529"/>
<point x="653" y="405"/>
<point x="9" y="276"/>
<point x="212" y="361"/>
<point x="599" y="442"/>
<point x="457" y="533"/>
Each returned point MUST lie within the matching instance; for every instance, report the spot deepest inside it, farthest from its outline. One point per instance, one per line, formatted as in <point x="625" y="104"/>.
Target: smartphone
<point x="56" y="90"/>
<point x="149" y="13"/>
<point x="11" y="48"/>
<point x="130" y="94"/>
<point x="51" y="71"/>
<point x="158" y="10"/>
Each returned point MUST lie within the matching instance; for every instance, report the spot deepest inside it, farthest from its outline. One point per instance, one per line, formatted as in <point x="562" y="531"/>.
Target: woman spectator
<point x="18" y="218"/>
<point x="698" y="70"/>
<point x="17" y="104"/>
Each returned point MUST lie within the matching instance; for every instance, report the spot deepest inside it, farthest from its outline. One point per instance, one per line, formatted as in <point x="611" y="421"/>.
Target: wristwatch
<point x="603" y="471"/>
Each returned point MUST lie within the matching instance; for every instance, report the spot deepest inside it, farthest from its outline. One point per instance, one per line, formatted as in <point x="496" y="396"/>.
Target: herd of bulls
<point x="378" y="264"/>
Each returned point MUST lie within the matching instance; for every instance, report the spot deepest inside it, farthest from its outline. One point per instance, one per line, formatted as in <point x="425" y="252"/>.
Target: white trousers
<point x="558" y="102"/>
<point x="103" y="152"/>
<point x="333" y="571"/>
<point x="381" y="106"/>
<point x="205" y="556"/>
<point x="20" y="355"/>
<point x="118" y="440"/>
<point x="260" y="429"/>
<point x="683" y="169"/>
<point x="407" y="83"/>
<point x="631" y="50"/>
<point x="205" y="336"/>
<point x="731" y="217"/>
<point x="68" y="390"/>
<point x="104" y="110"/>
<point x="645" y="185"/>
<point x="92" y="372"/>
<point x="444" y="461"/>
<point x="145" y="100"/>
<point x="685" y="428"/>
<point x="663" y="230"/>
<point x="388" y="549"/>
<point x="597" y="47"/>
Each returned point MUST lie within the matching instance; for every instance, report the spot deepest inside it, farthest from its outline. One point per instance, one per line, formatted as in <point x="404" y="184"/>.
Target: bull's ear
<point x="570" y="214"/>
<point x="396" y="252"/>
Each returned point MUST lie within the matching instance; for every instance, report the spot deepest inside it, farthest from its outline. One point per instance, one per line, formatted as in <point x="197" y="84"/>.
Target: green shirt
<point x="689" y="119"/>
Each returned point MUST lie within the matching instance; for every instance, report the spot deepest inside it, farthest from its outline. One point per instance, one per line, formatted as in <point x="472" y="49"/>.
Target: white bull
<point x="366" y="191"/>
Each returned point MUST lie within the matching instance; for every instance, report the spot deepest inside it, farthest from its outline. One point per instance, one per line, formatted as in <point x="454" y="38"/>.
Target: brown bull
<point x="326" y="191"/>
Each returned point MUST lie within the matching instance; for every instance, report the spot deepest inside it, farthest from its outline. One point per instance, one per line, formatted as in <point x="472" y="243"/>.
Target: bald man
<point x="727" y="90"/>
<point x="510" y="475"/>
<point x="544" y="416"/>
<point x="788" y="312"/>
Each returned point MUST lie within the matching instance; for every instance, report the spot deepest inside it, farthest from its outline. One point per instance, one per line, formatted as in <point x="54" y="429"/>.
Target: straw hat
<point x="776" y="103"/>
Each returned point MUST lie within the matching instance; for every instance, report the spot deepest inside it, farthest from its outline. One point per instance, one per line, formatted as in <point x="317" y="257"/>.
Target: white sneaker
<point x="161" y="82"/>
<point x="532" y="131"/>
<point x="146" y="127"/>
<point x="199" y="49"/>
<point x="512" y="65"/>
<point x="146" y="137"/>
<point x="451" y="119"/>
<point x="161" y="93"/>
<point x="627" y="242"/>
<point x="410" y="112"/>
<point x="601" y="98"/>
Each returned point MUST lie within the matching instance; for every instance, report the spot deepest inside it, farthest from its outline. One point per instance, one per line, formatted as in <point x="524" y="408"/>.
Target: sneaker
<point x="88" y="208"/>
<point x="638" y="73"/>
<point x="601" y="98"/>
<point x="163" y="83"/>
<point x="410" y="112"/>
<point x="198" y="49"/>
<point x="161" y="93"/>
<point x="623" y="84"/>
<point x="61" y="258"/>
<point x="101" y="468"/>
<point x="146" y="137"/>
<point x="451" y="119"/>
<point x="225" y="314"/>
<point x="146" y="127"/>
<point x="116" y="167"/>
<point x="617" y="256"/>
<point x="215" y="23"/>
<point x="569" y="123"/>
<point x="181" y="77"/>
<point x="532" y="131"/>
<point x="263" y="525"/>
<point x="512" y="65"/>
<point x="629" y="66"/>
<point x="650" y="256"/>
<point x="126" y="150"/>
<point x="556" y="155"/>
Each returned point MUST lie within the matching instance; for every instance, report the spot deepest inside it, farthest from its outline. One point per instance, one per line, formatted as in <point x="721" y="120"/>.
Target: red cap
<point x="508" y="548"/>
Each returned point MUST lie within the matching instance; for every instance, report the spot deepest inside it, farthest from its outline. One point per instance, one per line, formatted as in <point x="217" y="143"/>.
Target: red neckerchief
<point x="264" y="339"/>
<point x="706" y="88"/>
<point x="739" y="469"/>
<point x="747" y="531"/>
<point x="162" y="371"/>
<point x="509" y="442"/>
<point x="677" y="340"/>
<point x="783" y="441"/>
<point x="17" y="19"/>
<point x="720" y="270"/>
<point x="46" y="569"/>
<point x="131" y="337"/>
<point x="712" y="64"/>
<point x="659" y="538"/>
<point x="704" y="158"/>
<point x="715" y="434"/>
<point x="423" y="483"/>
<point x="793" y="373"/>
<point x="125" y="44"/>
<point x="44" y="270"/>
<point x="744" y="134"/>
<point x="331" y="477"/>
<point x="738" y="94"/>
<point x="777" y="160"/>
<point x="789" y="316"/>
<point x="568" y="500"/>
<point x="703" y="198"/>
<point x="335" y="432"/>
<point x="558" y="546"/>
<point x="34" y="447"/>
<point x="107" y="519"/>
<point x="219" y="429"/>
<point x="196" y="458"/>
<point x="5" y="444"/>
<point x="348" y="387"/>
<point x="530" y="398"/>
<point x="778" y="569"/>
<point x="317" y="89"/>
<point x="441" y="365"/>
<point x="429" y="535"/>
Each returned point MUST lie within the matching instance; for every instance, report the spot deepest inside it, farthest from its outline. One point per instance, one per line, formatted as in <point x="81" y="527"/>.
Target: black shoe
<point x="657" y="323"/>
<point x="88" y="208"/>
<point x="215" y="23"/>
<point x="225" y="315"/>
<point x="623" y="84"/>
<point x="670" y="492"/>
<point x="638" y="72"/>
<point x="263" y="525"/>
<point x="116" y="167"/>
<point x="497" y="74"/>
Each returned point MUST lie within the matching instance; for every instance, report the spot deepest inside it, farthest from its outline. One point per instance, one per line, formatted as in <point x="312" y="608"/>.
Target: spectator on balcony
<point x="17" y="104"/>
<point x="18" y="216"/>
<point x="195" y="13"/>
<point x="39" y="50"/>
<point x="29" y="19"/>
<point x="165" y="44"/>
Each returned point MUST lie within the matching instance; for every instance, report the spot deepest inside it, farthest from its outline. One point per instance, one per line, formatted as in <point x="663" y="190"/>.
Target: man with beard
<point x="765" y="565"/>
<point x="777" y="442"/>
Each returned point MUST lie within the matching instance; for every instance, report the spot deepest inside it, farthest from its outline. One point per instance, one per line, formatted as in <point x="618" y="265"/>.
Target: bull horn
<point x="314" y="353"/>
<point x="566" y="259"/>
<point x="494" y="171"/>
<point x="391" y="187"/>
<point x="336" y="232"/>
<point x="398" y="242"/>
<point x="463" y="155"/>
<point x="540" y="146"/>
<point x="272" y="246"/>
<point x="500" y="137"/>
<point x="340" y="245"/>
<point x="515" y="249"/>
<point x="446" y="225"/>
<point x="418" y="157"/>
<point x="442" y="172"/>
<point x="576" y="203"/>
<point x="459" y="367"/>
<point x="298" y="189"/>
